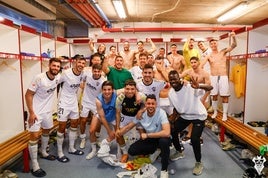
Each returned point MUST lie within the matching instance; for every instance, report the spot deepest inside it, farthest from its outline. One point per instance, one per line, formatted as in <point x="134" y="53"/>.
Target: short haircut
<point x="140" y="42"/>
<point x="113" y="46"/>
<point x="173" y="72"/>
<point x="213" y="39"/>
<point x="159" y="57"/>
<point x="143" y="54"/>
<point x="173" y="45"/>
<point x="78" y="57"/>
<point x="194" y="58"/>
<point x="54" y="60"/>
<point x="97" y="66"/>
<point x="148" y="66"/>
<point x="107" y="83"/>
<point x="130" y="82"/>
<point x="118" y="56"/>
<point x="151" y="96"/>
<point x="200" y="42"/>
<point x="95" y="55"/>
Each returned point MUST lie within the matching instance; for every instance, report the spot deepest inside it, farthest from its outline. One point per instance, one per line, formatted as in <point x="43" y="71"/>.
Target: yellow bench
<point x="16" y="145"/>
<point x="244" y="132"/>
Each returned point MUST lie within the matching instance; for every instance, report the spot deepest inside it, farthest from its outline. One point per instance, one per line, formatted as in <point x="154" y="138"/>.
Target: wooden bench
<point x="14" y="146"/>
<point x="18" y="144"/>
<point x="244" y="132"/>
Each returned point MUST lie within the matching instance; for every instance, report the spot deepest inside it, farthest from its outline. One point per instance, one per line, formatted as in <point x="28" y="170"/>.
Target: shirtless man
<point x="128" y="55"/>
<point x="176" y="60"/>
<point x="219" y="77"/>
<point x="161" y="73"/>
<point x="111" y="56"/>
<point x="140" y="46"/>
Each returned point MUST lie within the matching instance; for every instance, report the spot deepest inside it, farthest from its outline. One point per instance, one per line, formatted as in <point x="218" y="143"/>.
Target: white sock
<point x="225" y="110"/>
<point x="44" y="143"/>
<point x="94" y="147"/>
<point x="82" y="136"/>
<point x="33" y="149"/>
<point x="215" y="105"/>
<point x="72" y="138"/>
<point x="124" y="149"/>
<point x="60" y="138"/>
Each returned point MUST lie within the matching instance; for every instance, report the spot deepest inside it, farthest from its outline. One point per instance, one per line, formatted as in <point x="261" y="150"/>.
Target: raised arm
<point x="91" y="46"/>
<point x="153" y="47"/>
<point x="233" y="44"/>
<point x="105" y="65"/>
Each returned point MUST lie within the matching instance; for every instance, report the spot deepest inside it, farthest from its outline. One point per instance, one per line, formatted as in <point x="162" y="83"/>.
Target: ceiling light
<point x="118" y="5"/>
<point x="234" y="12"/>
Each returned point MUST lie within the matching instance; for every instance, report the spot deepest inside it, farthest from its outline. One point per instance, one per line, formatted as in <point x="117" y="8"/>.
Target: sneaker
<point x="228" y="147"/>
<point x="214" y="115"/>
<point x="155" y="155"/>
<point x="201" y="141"/>
<point x="83" y="143"/>
<point x="198" y="168"/>
<point x="124" y="158"/>
<point x="164" y="174"/>
<point x="177" y="155"/>
<point x="104" y="149"/>
<point x="186" y="140"/>
<point x="91" y="155"/>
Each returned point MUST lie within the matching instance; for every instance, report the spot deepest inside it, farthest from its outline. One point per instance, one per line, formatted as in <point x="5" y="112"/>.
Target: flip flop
<point x="39" y="173"/>
<point x="77" y="152"/>
<point x="49" y="157"/>
<point x="63" y="159"/>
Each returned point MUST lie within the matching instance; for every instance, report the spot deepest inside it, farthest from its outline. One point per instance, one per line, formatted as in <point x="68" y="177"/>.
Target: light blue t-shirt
<point x="153" y="124"/>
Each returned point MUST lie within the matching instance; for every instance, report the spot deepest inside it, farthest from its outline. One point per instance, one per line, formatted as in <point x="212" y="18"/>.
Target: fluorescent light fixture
<point x="234" y="12"/>
<point x="118" y="5"/>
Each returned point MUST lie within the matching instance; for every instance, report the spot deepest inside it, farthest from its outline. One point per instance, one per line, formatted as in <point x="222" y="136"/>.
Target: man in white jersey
<point x="93" y="81"/>
<point x="136" y="71"/>
<point x="188" y="109"/>
<point x="155" y="133"/>
<point x="68" y="107"/>
<point x="219" y="76"/>
<point x="39" y="100"/>
<point x="149" y="85"/>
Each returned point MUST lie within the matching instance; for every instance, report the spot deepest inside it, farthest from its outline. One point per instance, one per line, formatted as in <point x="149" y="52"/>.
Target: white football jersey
<point x="155" y="88"/>
<point x="136" y="73"/>
<point x="70" y="84"/>
<point x="92" y="88"/>
<point x="44" y="89"/>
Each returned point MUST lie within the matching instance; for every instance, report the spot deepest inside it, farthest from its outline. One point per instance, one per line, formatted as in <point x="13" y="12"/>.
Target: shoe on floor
<point x="228" y="147"/>
<point x="124" y="158"/>
<point x="155" y="155"/>
<point x="177" y="155"/>
<point x="186" y="140"/>
<point x="198" y="168"/>
<point x="83" y="143"/>
<point x="91" y="155"/>
<point x="163" y="174"/>
<point x="104" y="149"/>
<point x="39" y="173"/>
